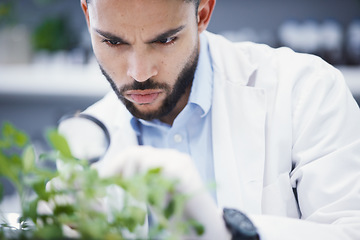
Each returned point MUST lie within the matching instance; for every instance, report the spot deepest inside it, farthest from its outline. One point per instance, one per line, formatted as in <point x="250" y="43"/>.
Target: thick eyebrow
<point x="111" y="36"/>
<point x="159" y="37"/>
<point x="166" y="34"/>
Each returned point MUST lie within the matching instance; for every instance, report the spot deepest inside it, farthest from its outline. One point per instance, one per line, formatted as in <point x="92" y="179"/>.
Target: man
<point x="277" y="131"/>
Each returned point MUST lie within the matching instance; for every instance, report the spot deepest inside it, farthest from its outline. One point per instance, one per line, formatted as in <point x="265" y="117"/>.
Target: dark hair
<point x="197" y="2"/>
<point x="194" y="1"/>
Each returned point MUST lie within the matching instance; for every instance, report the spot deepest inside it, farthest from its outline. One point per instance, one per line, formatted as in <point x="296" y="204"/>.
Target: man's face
<point x="148" y="50"/>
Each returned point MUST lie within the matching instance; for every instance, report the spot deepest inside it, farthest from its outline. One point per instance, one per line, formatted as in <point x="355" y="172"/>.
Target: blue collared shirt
<point x="191" y="129"/>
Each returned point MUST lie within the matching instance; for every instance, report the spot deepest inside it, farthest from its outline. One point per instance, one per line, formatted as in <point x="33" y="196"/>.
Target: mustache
<point x="148" y="84"/>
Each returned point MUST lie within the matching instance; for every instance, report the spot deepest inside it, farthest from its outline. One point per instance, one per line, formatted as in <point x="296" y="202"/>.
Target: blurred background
<point x="47" y="68"/>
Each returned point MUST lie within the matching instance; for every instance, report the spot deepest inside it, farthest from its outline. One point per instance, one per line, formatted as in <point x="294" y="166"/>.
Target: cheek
<point x="114" y="65"/>
<point x="175" y="63"/>
<point x="168" y="69"/>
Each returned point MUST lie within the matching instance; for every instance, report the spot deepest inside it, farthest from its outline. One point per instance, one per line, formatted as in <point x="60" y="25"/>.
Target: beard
<point x="174" y="94"/>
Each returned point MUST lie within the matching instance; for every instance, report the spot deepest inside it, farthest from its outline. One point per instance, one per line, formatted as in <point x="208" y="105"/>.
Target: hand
<point x="175" y="165"/>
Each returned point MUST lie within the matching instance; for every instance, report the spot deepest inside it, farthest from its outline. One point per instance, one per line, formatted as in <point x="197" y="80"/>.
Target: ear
<point x="84" y="7"/>
<point x="205" y="11"/>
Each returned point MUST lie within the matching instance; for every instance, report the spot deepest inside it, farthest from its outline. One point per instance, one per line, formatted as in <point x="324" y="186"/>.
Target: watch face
<point x="239" y="224"/>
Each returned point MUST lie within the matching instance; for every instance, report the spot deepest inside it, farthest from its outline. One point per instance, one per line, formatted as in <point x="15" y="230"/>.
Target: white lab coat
<point x="280" y="121"/>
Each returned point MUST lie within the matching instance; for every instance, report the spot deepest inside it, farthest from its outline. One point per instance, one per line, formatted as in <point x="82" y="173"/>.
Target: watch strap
<point x="239" y="225"/>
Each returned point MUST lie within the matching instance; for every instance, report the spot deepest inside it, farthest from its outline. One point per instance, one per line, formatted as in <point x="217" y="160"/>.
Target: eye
<point x="167" y="41"/>
<point x="111" y="43"/>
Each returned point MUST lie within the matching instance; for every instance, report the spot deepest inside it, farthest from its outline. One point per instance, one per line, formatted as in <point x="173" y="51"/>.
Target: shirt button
<point x="177" y="138"/>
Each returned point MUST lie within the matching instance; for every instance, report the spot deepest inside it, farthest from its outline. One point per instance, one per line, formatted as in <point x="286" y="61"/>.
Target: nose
<point x="141" y="66"/>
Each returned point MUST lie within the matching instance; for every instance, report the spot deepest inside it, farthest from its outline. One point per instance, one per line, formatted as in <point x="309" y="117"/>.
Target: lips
<point x="142" y="96"/>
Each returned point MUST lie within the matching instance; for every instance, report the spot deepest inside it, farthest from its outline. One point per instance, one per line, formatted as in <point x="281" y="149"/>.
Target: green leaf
<point x="8" y="130"/>
<point x="28" y="159"/>
<point x="198" y="227"/>
<point x="64" y="209"/>
<point x="59" y="143"/>
<point x="94" y="227"/>
<point x="138" y="214"/>
<point x="4" y="164"/>
<point x="21" y="139"/>
<point x="130" y="217"/>
<point x="10" y="169"/>
<point x="4" y="144"/>
<point x="30" y="210"/>
<point x="53" y="231"/>
<point x="18" y="137"/>
<point x="40" y="189"/>
<point x="170" y="209"/>
<point x="45" y="174"/>
<point x="154" y="171"/>
<point x="16" y="162"/>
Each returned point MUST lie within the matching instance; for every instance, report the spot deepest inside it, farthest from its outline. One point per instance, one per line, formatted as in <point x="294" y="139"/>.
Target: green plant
<point x="76" y="195"/>
<point x="54" y="34"/>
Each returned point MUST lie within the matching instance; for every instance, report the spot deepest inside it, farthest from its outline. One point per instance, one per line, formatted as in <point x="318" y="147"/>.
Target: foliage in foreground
<point x="78" y="200"/>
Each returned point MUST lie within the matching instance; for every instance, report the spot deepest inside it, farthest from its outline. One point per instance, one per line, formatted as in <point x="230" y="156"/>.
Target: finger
<point x="137" y="160"/>
<point x="127" y="163"/>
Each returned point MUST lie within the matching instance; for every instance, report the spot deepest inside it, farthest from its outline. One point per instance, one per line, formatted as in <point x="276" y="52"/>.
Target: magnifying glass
<point x="87" y="137"/>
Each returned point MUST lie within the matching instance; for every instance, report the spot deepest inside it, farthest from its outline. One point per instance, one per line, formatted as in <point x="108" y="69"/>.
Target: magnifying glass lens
<point x="87" y="137"/>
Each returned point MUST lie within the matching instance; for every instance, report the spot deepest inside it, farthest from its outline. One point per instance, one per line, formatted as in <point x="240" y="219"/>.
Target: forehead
<point x="139" y="13"/>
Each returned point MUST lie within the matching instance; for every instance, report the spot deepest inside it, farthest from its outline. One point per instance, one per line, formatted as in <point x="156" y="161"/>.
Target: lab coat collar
<point x="238" y="120"/>
<point x="235" y="66"/>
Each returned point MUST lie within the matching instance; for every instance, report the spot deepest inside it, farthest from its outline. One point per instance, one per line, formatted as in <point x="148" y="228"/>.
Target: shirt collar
<point x="202" y="86"/>
<point x="201" y="91"/>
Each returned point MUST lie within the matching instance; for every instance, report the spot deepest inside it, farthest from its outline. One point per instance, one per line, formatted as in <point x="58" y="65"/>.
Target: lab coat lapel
<point x="239" y="147"/>
<point x="238" y="128"/>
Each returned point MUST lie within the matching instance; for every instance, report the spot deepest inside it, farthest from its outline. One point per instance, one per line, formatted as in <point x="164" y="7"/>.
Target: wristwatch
<point x="239" y="225"/>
